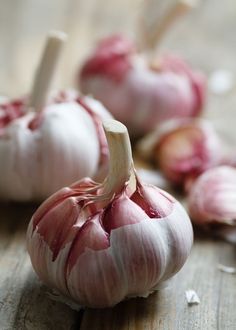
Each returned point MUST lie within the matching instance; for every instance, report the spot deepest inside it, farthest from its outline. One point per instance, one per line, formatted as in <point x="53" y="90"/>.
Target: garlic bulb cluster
<point x="212" y="198"/>
<point x="101" y="243"/>
<point x="183" y="149"/>
<point x="138" y="93"/>
<point x="40" y="152"/>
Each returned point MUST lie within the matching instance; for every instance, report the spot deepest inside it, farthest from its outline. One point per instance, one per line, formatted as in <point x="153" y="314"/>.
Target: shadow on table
<point x="15" y="216"/>
<point x="131" y="314"/>
<point x="220" y="232"/>
<point x="36" y="310"/>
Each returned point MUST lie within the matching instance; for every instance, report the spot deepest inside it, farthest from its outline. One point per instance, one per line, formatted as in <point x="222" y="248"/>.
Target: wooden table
<point x="207" y="38"/>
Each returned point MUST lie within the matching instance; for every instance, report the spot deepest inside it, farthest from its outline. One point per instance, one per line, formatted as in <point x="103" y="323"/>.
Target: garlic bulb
<point x="138" y="93"/>
<point x="183" y="149"/>
<point x="48" y="142"/>
<point x="101" y="243"/>
<point x="212" y="198"/>
<point x="40" y="152"/>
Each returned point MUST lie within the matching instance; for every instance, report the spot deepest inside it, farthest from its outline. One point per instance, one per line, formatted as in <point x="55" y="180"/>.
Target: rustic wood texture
<point x="24" y="301"/>
<point x="207" y="38"/>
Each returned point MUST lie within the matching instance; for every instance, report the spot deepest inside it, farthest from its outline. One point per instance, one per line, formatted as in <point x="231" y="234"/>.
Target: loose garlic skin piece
<point x="99" y="244"/>
<point x="42" y="152"/>
<point x="138" y="93"/>
<point x="212" y="198"/>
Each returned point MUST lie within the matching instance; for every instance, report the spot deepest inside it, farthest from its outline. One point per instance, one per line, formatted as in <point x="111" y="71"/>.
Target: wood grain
<point x="24" y="301"/>
<point x="206" y="37"/>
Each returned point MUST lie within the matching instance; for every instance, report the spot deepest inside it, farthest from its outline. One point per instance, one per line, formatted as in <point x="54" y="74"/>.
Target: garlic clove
<point x="122" y="211"/>
<point x="146" y="195"/>
<point x="50" y="203"/>
<point x="63" y="216"/>
<point x="183" y="149"/>
<point x="212" y="198"/>
<point x="90" y="236"/>
<point x="49" y="252"/>
<point x="95" y="279"/>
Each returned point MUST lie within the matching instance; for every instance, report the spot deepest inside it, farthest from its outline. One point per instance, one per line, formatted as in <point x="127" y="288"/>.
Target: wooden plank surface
<point x="24" y="301"/>
<point x="207" y="38"/>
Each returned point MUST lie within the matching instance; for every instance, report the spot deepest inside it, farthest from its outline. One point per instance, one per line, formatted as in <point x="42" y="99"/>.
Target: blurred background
<point x="205" y="36"/>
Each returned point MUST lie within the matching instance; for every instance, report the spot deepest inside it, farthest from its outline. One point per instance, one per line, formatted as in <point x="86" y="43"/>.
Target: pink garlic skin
<point x="10" y="110"/>
<point x="109" y="254"/>
<point x="212" y="198"/>
<point x="42" y="152"/>
<point x="186" y="148"/>
<point x="137" y="94"/>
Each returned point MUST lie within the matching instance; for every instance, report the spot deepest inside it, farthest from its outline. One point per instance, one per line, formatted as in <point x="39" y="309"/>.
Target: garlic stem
<point x="46" y="70"/>
<point x="160" y="27"/>
<point x="121" y="161"/>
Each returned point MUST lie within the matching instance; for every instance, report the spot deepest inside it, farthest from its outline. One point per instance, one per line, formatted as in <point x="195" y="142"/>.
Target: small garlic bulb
<point x="183" y="149"/>
<point x="40" y="152"/>
<point x="99" y="244"/>
<point x="47" y="142"/>
<point x="138" y="93"/>
<point x="212" y="198"/>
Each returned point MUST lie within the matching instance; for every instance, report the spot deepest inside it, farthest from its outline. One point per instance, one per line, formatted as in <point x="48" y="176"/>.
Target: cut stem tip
<point x="46" y="69"/>
<point x="121" y="161"/>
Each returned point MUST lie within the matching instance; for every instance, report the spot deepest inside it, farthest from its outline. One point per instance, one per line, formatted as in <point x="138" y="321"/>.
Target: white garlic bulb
<point x="42" y="152"/>
<point x="98" y="244"/>
<point x="46" y="143"/>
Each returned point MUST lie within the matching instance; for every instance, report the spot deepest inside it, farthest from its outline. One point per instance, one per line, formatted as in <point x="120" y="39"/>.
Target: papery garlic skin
<point x="139" y="94"/>
<point x="42" y="152"/>
<point x="183" y="149"/>
<point x="212" y="198"/>
<point x="101" y="249"/>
